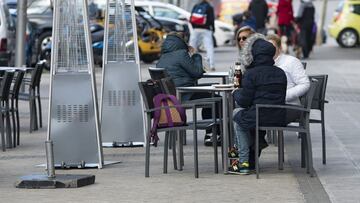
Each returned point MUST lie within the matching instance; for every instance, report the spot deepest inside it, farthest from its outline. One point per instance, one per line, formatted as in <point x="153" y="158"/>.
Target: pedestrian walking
<point x="202" y="20"/>
<point x="285" y="18"/>
<point x="305" y="19"/>
<point x="261" y="74"/>
<point x="259" y="9"/>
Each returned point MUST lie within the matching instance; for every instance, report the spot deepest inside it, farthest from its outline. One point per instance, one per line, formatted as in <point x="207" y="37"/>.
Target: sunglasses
<point x="241" y="38"/>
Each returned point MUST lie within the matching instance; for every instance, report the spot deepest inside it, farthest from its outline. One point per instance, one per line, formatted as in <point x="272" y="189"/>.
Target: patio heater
<point x="121" y="107"/>
<point x="73" y="110"/>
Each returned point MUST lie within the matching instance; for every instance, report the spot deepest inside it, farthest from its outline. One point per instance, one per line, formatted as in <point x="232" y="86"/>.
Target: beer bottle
<point x="237" y="75"/>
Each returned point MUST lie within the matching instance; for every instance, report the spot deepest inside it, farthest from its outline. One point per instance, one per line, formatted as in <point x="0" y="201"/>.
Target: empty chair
<point x="5" y="109"/>
<point x="319" y="104"/>
<point x="303" y="128"/>
<point x="14" y="93"/>
<point x="33" y="96"/>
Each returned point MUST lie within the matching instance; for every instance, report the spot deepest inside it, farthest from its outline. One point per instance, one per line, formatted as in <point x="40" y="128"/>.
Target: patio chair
<point x="14" y="93"/>
<point x="148" y="92"/>
<point x="304" y="64"/>
<point x="169" y="87"/>
<point x="319" y="104"/>
<point x="157" y="73"/>
<point x="5" y="109"/>
<point x="303" y="128"/>
<point x="34" y="95"/>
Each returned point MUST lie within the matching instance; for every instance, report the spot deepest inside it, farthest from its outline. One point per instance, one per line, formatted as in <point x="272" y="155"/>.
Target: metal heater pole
<point x="50" y="159"/>
<point x="20" y="33"/>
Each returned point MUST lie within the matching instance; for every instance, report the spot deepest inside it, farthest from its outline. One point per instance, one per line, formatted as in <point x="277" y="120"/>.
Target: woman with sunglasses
<point x="242" y="34"/>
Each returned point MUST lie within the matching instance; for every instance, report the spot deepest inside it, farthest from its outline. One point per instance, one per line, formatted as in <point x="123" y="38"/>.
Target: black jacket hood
<point x="257" y="51"/>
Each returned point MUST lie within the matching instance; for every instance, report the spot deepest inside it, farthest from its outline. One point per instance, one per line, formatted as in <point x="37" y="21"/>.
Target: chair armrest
<point x="288" y="106"/>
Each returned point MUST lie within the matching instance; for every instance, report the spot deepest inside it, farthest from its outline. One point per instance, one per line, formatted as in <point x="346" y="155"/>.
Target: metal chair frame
<point x="319" y="104"/>
<point x="5" y="109"/>
<point x="149" y="109"/>
<point x="303" y="128"/>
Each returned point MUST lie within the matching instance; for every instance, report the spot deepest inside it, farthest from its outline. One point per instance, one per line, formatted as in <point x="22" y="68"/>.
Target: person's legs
<point x="194" y="38"/>
<point x="209" y="46"/>
<point x="243" y="144"/>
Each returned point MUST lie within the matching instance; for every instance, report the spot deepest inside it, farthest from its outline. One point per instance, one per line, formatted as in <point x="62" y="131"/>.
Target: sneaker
<point x="233" y="153"/>
<point x="244" y="168"/>
<point x="234" y="168"/>
<point x="208" y="140"/>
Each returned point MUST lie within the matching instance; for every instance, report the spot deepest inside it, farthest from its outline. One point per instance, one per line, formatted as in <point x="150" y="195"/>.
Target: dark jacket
<point x="210" y="17"/>
<point x="182" y="68"/>
<point x="262" y="83"/>
<point x="259" y="10"/>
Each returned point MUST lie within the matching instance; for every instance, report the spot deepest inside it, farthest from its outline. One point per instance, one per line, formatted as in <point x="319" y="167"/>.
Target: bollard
<point x="50" y="159"/>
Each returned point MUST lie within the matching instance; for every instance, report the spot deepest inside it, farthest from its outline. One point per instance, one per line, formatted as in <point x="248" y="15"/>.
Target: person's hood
<point x="257" y="51"/>
<point x="173" y="43"/>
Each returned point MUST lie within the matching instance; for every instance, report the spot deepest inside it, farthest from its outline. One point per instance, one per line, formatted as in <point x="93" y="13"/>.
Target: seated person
<point x="185" y="67"/>
<point x="298" y="82"/>
<point x="242" y="34"/>
<point x="262" y="83"/>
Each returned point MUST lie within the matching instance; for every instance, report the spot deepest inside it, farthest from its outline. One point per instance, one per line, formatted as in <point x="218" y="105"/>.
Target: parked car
<point x="7" y="36"/>
<point x="224" y="32"/>
<point x="345" y="26"/>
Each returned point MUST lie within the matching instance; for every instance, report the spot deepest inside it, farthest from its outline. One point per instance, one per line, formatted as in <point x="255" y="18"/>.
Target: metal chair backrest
<point x="158" y="73"/>
<point x="5" y="85"/>
<point x="304" y="65"/>
<point x="169" y="86"/>
<point x="319" y="96"/>
<point x="17" y="84"/>
<point x="149" y="90"/>
<point x="309" y="96"/>
<point x="36" y="75"/>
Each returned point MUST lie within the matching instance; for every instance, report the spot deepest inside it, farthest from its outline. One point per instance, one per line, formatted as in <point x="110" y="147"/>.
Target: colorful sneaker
<point x="234" y="168"/>
<point x="233" y="153"/>
<point x="244" y="168"/>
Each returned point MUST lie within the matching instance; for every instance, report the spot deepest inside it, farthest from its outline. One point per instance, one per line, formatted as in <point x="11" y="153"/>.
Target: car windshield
<point x="39" y="7"/>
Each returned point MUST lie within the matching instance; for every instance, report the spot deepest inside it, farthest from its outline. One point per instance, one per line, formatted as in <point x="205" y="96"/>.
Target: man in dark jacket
<point x="263" y="83"/>
<point x="259" y="10"/>
<point x="181" y="63"/>
<point x="185" y="68"/>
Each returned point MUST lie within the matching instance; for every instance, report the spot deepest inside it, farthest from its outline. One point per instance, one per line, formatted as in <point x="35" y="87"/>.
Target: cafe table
<point x="227" y="109"/>
<point x="217" y="74"/>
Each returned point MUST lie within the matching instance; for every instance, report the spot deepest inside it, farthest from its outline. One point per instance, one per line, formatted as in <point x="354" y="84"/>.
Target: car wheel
<point x="43" y="40"/>
<point x="348" y="38"/>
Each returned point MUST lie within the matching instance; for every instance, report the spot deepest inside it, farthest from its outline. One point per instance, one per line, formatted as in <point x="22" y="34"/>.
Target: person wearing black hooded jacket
<point x="262" y="83"/>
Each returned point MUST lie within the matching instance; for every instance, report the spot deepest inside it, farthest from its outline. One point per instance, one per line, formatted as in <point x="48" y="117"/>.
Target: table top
<point x="215" y="74"/>
<point x="205" y="89"/>
<point x="16" y="68"/>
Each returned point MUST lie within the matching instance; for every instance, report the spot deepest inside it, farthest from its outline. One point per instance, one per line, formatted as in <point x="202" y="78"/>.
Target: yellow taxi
<point x="345" y="26"/>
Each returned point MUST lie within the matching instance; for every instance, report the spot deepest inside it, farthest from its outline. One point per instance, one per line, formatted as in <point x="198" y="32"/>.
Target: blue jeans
<point x="242" y="140"/>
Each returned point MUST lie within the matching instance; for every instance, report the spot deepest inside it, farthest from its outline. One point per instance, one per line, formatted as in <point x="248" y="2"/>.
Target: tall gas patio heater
<point x="73" y="114"/>
<point x="121" y="107"/>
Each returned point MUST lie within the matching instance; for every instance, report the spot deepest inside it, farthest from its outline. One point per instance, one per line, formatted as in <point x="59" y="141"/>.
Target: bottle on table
<point x="237" y="75"/>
